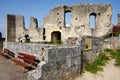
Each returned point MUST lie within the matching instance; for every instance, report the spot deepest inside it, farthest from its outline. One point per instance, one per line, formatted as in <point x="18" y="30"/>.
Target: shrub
<point x="107" y="36"/>
<point x="107" y="50"/>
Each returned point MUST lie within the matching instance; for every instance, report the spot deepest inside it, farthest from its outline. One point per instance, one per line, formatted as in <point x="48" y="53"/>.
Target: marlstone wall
<point x="28" y="48"/>
<point x="80" y="20"/>
<point x="55" y="28"/>
<point x="11" y="28"/>
<point x="57" y="62"/>
<point x="61" y="63"/>
<point x="91" y="48"/>
<point x="115" y="42"/>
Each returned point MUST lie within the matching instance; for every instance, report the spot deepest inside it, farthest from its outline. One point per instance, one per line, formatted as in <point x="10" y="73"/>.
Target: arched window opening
<point x="67" y="18"/>
<point x="92" y="20"/>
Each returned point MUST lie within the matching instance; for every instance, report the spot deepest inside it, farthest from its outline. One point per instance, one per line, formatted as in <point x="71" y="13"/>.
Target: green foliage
<point x="101" y="60"/>
<point x="107" y="36"/>
<point x="50" y="42"/>
<point x="108" y="50"/>
<point x="93" y="68"/>
<point x="116" y="34"/>
<point x="96" y="66"/>
<point x="115" y="55"/>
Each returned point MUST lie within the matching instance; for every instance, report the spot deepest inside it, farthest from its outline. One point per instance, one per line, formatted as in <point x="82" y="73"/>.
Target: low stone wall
<point x="115" y="43"/>
<point x="28" y="48"/>
<point x="112" y="43"/>
<point x="91" y="48"/>
<point x="60" y="63"/>
<point x="57" y="62"/>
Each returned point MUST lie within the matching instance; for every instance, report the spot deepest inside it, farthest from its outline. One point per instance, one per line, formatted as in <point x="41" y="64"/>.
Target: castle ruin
<point x="54" y="26"/>
<point x="66" y="61"/>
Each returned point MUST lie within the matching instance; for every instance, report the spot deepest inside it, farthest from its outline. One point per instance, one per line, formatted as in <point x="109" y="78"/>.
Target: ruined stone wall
<point x="91" y="48"/>
<point x="29" y="48"/>
<point x="55" y="22"/>
<point x="57" y="62"/>
<point x="80" y="20"/>
<point x="60" y="63"/>
<point x="34" y="33"/>
<point x="11" y="28"/>
<point x="20" y="28"/>
<point x="16" y="30"/>
<point x="115" y="43"/>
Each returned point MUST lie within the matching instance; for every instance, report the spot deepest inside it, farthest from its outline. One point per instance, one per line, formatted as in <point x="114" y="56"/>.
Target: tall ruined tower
<point x="15" y="27"/>
<point x="118" y="19"/>
<point x="33" y="31"/>
<point x="11" y="28"/>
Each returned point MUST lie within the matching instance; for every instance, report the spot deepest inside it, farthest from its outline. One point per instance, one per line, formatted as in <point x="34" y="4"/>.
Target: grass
<point x="50" y="42"/>
<point x="115" y="55"/>
<point x="108" y="50"/>
<point x="96" y="66"/>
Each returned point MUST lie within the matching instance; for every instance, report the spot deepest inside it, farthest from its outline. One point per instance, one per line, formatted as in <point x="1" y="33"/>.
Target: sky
<point x="41" y="8"/>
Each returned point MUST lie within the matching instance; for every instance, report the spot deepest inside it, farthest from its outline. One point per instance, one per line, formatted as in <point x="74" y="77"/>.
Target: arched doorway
<point x="56" y="36"/>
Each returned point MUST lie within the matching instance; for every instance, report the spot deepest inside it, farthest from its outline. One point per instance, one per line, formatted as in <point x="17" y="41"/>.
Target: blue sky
<point x="41" y="8"/>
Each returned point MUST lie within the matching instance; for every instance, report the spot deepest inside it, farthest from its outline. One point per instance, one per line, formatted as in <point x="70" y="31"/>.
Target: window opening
<point x="44" y="37"/>
<point x="67" y="19"/>
<point x="92" y="20"/>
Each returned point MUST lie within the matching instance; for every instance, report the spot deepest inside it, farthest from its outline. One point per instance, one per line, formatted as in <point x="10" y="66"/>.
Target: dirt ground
<point x="10" y="71"/>
<point x="110" y="72"/>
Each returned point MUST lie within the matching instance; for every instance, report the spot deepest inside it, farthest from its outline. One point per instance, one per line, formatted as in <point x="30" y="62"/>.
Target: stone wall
<point x="55" y="21"/>
<point x="11" y="28"/>
<point x="20" y="28"/>
<point x="16" y="30"/>
<point x="91" y="48"/>
<point x="80" y="20"/>
<point x="60" y="63"/>
<point x="115" y="42"/>
<point x="28" y="48"/>
<point x="57" y="62"/>
<point x="112" y="43"/>
<point x="34" y="33"/>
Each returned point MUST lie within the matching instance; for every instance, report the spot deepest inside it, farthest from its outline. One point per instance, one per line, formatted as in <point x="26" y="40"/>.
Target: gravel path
<point x="10" y="71"/>
<point x="110" y="72"/>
